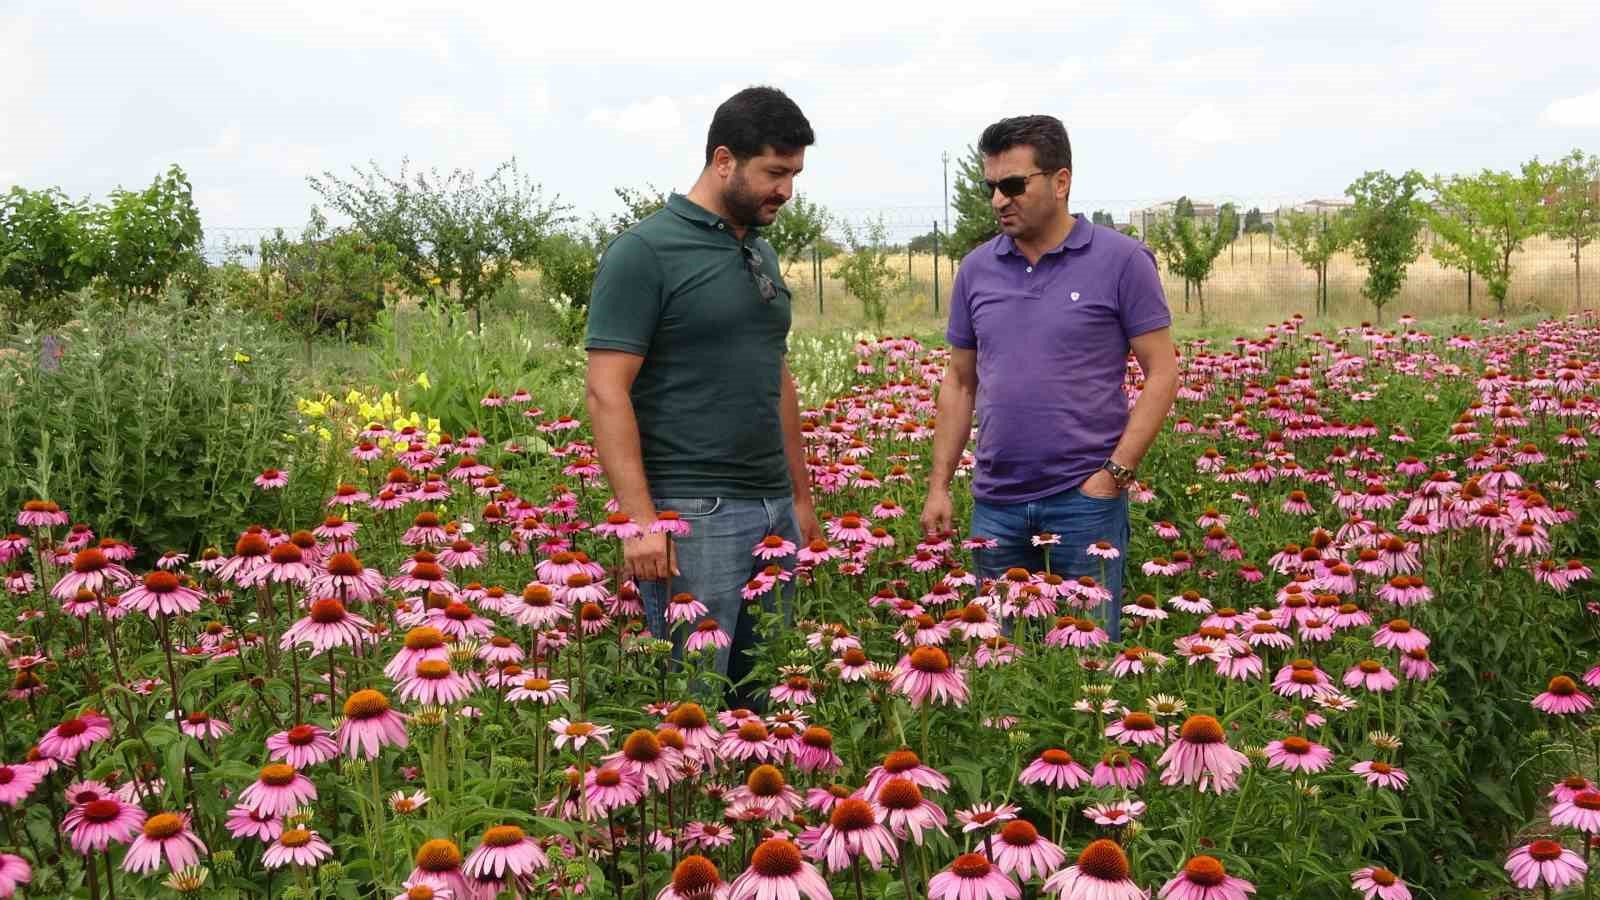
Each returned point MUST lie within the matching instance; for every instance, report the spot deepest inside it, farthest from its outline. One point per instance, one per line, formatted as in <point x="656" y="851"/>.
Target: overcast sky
<point x="1250" y="100"/>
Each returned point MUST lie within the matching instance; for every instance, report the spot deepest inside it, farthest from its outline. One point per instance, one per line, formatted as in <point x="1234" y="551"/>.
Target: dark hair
<point x="757" y="118"/>
<point x="1045" y="134"/>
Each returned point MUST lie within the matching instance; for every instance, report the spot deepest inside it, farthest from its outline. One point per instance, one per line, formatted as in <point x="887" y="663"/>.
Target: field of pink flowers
<point x="1359" y="651"/>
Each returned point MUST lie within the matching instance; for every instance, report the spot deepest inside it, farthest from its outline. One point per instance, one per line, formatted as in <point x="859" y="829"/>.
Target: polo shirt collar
<point x="694" y="212"/>
<point x="1078" y="238"/>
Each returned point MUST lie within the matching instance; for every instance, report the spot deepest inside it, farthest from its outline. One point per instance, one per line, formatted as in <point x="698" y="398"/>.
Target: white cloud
<point x="1582" y="111"/>
<point x="655" y="117"/>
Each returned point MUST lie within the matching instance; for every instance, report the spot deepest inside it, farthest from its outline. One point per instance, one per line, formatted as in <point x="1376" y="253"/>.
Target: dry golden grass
<point x="1249" y="287"/>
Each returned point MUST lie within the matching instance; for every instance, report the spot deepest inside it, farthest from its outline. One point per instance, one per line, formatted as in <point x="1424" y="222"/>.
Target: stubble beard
<point x="744" y="205"/>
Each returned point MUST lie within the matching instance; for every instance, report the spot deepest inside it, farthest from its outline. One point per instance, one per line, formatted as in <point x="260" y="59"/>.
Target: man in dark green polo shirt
<point x="688" y="389"/>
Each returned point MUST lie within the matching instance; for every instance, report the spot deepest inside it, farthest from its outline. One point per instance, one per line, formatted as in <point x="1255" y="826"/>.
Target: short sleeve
<point x="625" y="304"/>
<point x="1141" y="302"/>
<point x="958" y="332"/>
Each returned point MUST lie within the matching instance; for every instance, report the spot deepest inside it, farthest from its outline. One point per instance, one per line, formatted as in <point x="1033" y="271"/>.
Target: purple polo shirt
<point x="1052" y="342"/>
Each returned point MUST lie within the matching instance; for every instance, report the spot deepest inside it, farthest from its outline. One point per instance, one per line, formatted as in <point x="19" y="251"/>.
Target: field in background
<point x="1252" y="284"/>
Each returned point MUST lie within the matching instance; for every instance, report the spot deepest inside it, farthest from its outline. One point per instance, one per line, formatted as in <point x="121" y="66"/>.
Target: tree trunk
<point x="1577" y="273"/>
<point x="1469" y="290"/>
<point x="1200" y="295"/>
<point x="1186" y="295"/>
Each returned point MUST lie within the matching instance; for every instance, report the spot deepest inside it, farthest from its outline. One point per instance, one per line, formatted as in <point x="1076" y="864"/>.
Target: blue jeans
<point x="716" y="562"/>
<point x="1079" y="520"/>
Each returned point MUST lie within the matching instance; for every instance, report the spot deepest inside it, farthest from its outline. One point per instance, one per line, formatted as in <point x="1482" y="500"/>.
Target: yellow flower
<point x="241" y="358"/>
<point x="324" y="434"/>
<point x="355" y="397"/>
<point x="423" y="382"/>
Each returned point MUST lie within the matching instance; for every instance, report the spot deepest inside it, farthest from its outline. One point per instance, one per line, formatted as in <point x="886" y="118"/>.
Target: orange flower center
<point x="1202" y="730"/>
<point x="438" y="856"/>
<point x="1103" y="860"/>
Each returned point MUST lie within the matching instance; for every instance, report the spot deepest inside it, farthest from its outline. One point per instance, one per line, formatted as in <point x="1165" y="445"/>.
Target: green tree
<point x="455" y="235"/>
<point x="637" y="204"/>
<point x="1487" y="218"/>
<point x="1228" y="223"/>
<point x="330" y="281"/>
<point x="41" y="236"/>
<point x="975" y="218"/>
<point x="137" y="240"/>
<point x="1572" y="207"/>
<point x="1387" y="218"/>
<point x="1190" y="249"/>
<point x="1101" y="217"/>
<point x="1254" y="223"/>
<point x="866" y="271"/>
<point x="1184" y="208"/>
<point x="799" y="225"/>
<point x="1316" y="239"/>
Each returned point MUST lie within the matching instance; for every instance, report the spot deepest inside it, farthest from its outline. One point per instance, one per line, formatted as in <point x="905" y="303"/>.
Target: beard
<point x="744" y="205"/>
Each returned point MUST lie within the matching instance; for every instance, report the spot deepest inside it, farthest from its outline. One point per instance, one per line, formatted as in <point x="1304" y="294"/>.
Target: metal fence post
<point x="936" y="267"/>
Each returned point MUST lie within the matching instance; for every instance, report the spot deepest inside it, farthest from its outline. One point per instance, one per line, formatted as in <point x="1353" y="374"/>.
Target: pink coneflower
<point x="1380" y="883"/>
<point x="854" y="829"/>
<point x="92" y="570"/>
<point x="543" y="691"/>
<point x="461" y="554"/>
<point x="165" y="836"/>
<point x="244" y="822"/>
<point x="1202" y="756"/>
<point x="272" y="479"/>
<point x="1055" y="768"/>
<point x="794" y="690"/>
<point x="459" y="621"/>
<point x="370" y="725"/>
<point x="694" y="878"/>
<point x="203" y="726"/>
<point x="644" y="754"/>
<point x="278" y="791"/>
<point x="72" y="736"/>
<point x="91" y="826"/>
<point x="620" y="526"/>
<point x="1295" y="753"/>
<point x="1101" y="873"/>
<point x="765" y="794"/>
<point x="14" y="871"/>
<point x="1581" y="812"/>
<point x="708" y="634"/>
<point x="421" y="643"/>
<point x="707" y="835"/>
<point x="1114" y="815"/>
<point x="1545" y="862"/>
<point x="972" y="877"/>
<point x="683" y="607"/>
<point x="1205" y="878"/>
<point x="1021" y="851"/>
<point x="439" y="862"/>
<point x="750" y="741"/>
<point x="849" y="528"/>
<point x="505" y="850"/>
<point x="346" y="577"/>
<point x="608" y="787"/>
<point x="668" y="521"/>
<point x="161" y="594"/>
<point x="579" y="734"/>
<point x="814" y="752"/>
<point x="327" y="624"/>
<point x="302" y="746"/>
<point x="434" y="682"/>
<point x="298" y="847"/>
<point x="286" y="563"/>
<point x="1301" y="678"/>
<point x="1562" y="698"/>
<point x="925" y="675"/>
<point x="773" y="546"/>
<point x="905" y="809"/>
<point x="986" y="817"/>
<point x="1371" y="675"/>
<point x="41" y="514"/>
<point x="425" y="577"/>
<point x="1119" y="768"/>
<point x="1138" y="729"/>
<point x="778" y="871"/>
<point x="1381" y="774"/>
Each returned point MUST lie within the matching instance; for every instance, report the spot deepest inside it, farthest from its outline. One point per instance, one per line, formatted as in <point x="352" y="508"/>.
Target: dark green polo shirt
<point x="676" y="289"/>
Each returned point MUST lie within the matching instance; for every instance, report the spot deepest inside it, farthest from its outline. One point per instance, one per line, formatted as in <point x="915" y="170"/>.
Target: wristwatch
<point x="1120" y="473"/>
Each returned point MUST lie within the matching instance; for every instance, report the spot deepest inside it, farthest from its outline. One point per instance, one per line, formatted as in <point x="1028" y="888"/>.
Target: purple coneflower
<point x="298" y="847"/>
<point x="1545" y="862"/>
<point x="370" y="725"/>
<point x="72" y="736"/>
<point x="1205" y="878"/>
<point x="165" y="837"/>
<point x="1101" y="873"/>
<point x="778" y="870"/>
<point x="1562" y="698"/>
<point x="245" y="822"/>
<point x="1055" y="768"/>
<point x="92" y="826"/>
<point x="1202" y="756"/>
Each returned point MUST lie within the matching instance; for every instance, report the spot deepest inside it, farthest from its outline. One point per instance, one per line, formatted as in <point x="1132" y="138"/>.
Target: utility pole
<point x="944" y="157"/>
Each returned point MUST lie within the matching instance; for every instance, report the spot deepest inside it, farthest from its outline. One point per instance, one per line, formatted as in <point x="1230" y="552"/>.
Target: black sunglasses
<point x="1012" y="185"/>
<point x="752" y="261"/>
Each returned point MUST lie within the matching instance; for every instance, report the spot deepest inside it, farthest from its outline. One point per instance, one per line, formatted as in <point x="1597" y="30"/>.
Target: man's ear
<point x="722" y="161"/>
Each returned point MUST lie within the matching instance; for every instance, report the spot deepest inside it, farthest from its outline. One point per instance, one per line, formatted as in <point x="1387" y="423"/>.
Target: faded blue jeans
<point x="1079" y="520"/>
<point x="716" y="561"/>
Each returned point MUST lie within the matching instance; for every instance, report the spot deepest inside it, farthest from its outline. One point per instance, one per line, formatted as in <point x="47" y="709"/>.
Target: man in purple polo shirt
<point x="1041" y="321"/>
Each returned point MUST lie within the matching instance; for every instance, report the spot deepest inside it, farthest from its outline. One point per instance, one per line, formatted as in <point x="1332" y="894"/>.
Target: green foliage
<point x="1482" y="219"/>
<point x="455" y="235"/>
<point x="153" y="422"/>
<point x="866" y="272"/>
<point x="637" y="204"/>
<point x="567" y="265"/>
<point x="1572" y="206"/>
<point x="1387" y="220"/>
<point x="1316" y="239"/>
<point x="975" y="218"/>
<point x="330" y="281"/>
<point x="1253" y="222"/>
<point x="40" y="235"/>
<point x="1190" y="248"/>
<point x="799" y="225"/>
<point x="1101" y="217"/>
<point x="924" y="243"/>
<point x="1183" y="209"/>
<point x="137" y="240"/>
